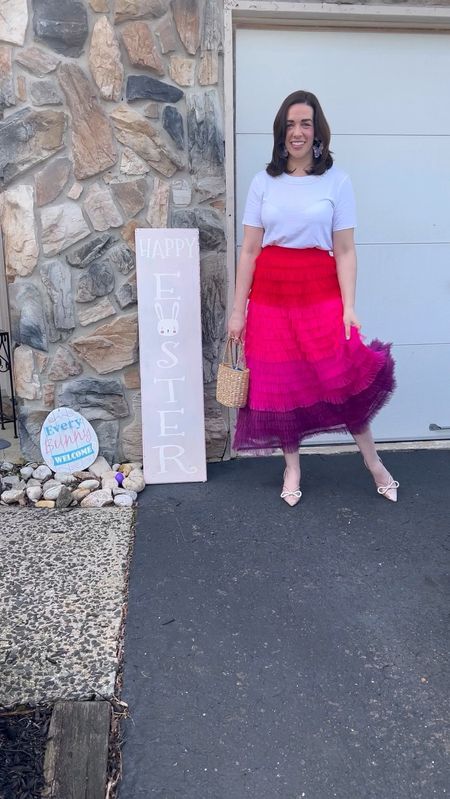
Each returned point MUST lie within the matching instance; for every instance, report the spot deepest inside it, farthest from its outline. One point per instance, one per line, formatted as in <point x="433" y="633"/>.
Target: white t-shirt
<point x="301" y="211"/>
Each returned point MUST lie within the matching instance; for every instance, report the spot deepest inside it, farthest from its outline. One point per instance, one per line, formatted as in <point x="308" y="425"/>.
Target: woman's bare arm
<point x="251" y="247"/>
<point x="345" y="254"/>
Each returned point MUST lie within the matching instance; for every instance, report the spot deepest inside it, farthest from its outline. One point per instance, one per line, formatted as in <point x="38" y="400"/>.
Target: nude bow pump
<point x="290" y="497"/>
<point x="387" y="490"/>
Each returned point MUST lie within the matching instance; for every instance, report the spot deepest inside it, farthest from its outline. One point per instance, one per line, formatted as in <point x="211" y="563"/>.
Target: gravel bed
<point x="62" y="597"/>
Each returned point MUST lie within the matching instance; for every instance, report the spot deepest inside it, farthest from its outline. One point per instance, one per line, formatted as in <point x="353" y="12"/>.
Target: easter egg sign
<point x="69" y="443"/>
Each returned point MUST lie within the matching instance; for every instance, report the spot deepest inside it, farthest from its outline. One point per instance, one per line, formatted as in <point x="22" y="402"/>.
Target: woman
<point x="310" y="372"/>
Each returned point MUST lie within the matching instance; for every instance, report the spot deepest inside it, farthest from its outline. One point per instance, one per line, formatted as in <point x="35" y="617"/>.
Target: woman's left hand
<point x="350" y="320"/>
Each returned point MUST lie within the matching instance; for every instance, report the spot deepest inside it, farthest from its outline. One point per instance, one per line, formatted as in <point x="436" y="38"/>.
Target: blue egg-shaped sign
<point x="69" y="443"/>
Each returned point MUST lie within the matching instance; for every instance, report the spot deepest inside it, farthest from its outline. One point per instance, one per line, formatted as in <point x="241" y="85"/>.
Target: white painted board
<point x="170" y="347"/>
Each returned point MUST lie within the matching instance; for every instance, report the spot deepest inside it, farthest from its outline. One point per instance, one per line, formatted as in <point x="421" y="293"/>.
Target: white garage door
<point x="387" y="99"/>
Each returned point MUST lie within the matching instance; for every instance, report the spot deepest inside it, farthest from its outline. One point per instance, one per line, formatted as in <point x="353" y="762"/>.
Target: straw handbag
<point x="233" y="377"/>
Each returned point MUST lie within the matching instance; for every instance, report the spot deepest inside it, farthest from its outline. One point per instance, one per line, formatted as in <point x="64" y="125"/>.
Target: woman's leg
<point x="380" y="474"/>
<point x="292" y="470"/>
<point x="291" y="481"/>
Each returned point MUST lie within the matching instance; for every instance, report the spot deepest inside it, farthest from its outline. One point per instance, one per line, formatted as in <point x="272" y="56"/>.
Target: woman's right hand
<point x="236" y="324"/>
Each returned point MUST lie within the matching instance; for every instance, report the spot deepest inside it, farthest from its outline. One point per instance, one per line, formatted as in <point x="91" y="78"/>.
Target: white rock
<point x="65" y="478"/>
<point x="75" y="191"/>
<point x="33" y="482"/>
<point x="109" y="473"/>
<point x="132" y="164"/>
<point x="33" y="493"/>
<point x="13" y="21"/>
<point x="49" y="484"/>
<point x="12" y="495"/>
<point x="100" y="466"/>
<point x="53" y="492"/>
<point x="109" y="482"/>
<point x="128" y="492"/>
<point x="181" y="192"/>
<point x="135" y="481"/>
<point x="26" y="472"/>
<point x="115" y="467"/>
<point x="6" y="466"/>
<point x="97" y="499"/>
<point x="11" y="481"/>
<point x="19" y="231"/>
<point x="80" y="493"/>
<point x="92" y="485"/>
<point x="42" y="472"/>
<point x="62" y="225"/>
<point x="27" y="383"/>
<point x="123" y="501"/>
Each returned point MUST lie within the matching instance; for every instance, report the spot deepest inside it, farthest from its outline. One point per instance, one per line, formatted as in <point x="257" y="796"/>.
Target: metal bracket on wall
<point x="6" y="366"/>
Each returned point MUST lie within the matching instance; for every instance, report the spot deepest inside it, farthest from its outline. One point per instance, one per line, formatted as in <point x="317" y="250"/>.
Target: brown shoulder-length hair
<point x="321" y="134"/>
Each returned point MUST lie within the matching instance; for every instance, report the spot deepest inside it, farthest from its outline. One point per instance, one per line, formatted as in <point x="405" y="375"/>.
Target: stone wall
<point x="111" y="120"/>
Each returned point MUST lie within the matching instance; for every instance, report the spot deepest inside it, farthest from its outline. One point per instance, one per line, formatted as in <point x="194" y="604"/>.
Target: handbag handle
<point x="234" y="359"/>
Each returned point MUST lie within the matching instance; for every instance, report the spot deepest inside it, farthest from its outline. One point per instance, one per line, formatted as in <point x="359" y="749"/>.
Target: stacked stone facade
<point x="112" y="119"/>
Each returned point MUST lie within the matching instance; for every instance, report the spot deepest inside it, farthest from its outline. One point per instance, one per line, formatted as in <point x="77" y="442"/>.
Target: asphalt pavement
<point x="276" y="652"/>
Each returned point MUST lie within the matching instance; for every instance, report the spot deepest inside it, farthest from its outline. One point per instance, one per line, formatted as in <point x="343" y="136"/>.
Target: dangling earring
<point x="317" y="148"/>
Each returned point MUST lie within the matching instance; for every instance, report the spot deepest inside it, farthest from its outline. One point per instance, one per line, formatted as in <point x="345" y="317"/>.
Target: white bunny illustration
<point x="167" y="326"/>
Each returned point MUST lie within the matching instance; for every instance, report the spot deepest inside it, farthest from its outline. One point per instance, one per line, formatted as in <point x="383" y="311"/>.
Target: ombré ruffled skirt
<point x="305" y="377"/>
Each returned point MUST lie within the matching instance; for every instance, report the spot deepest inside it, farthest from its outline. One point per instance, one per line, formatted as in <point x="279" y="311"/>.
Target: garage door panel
<point x="252" y="155"/>
<point x="395" y="308"/>
<point x="402" y="186"/>
<point x="422" y="396"/>
<point x="397" y="201"/>
<point x="395" y="144"/>
<point x="370" y="83"/>
<point x="403" y="293"/>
